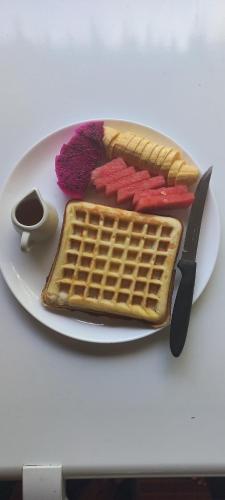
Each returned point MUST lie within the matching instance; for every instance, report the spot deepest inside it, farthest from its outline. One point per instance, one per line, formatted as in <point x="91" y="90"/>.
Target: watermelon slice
<point x="164" y="191"/>
<point x="108" y="168"/>
<point x="148" y="204"/>
<point x="103" y="181"/>
<point x="154" y="183"/>
<point x="127" y="192"/>
<point x="181" y="188"/>
<point x="113" y="187"/>
<point x="158" y="183"/>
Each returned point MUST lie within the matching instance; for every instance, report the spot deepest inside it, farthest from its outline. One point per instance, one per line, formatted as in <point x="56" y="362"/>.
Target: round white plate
<point x="25" y="274"/>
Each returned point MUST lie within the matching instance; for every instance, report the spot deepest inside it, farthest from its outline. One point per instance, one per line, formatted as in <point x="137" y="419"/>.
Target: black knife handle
<point x="182" y="307"/>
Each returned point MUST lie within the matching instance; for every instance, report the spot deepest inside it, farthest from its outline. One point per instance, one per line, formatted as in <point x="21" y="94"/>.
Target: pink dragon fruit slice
<point x="84" y="152"/>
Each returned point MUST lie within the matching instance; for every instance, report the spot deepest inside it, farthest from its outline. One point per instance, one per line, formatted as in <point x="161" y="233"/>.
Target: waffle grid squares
<point x="111" y="260"/>
<point x="115" y="259"/>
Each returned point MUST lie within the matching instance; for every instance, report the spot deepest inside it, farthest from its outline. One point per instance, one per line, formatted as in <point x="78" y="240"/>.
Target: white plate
<point x="25" y="274"/>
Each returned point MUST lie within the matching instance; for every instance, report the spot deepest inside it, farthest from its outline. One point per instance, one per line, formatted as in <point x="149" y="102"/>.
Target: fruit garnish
<point x="77" y="159"/>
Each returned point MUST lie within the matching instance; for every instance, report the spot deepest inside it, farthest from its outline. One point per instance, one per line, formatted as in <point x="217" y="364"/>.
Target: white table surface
<point x="129" y="409"/>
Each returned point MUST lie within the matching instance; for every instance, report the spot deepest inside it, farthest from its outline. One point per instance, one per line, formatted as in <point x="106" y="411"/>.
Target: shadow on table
<point x="132" y="489"/>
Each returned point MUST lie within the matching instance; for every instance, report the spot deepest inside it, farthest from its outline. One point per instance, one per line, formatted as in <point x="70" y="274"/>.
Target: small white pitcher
<point x="35" y="219"/>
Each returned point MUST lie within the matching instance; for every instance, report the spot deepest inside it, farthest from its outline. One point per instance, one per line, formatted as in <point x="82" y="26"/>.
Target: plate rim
<point x="145" y="332"/>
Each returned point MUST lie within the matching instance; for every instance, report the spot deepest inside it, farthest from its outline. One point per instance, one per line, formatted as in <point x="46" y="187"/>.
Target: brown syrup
<point x="29" y="212"/>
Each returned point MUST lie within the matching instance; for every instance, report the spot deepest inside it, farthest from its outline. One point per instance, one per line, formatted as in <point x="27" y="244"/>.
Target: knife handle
<point x="182" y="307"/>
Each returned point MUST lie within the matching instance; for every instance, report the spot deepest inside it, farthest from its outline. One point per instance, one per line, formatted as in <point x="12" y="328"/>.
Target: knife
<point x="187" y="265"/>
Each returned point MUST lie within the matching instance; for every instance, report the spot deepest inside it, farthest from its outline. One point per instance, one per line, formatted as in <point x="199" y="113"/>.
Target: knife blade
<point x="187" y="265"/>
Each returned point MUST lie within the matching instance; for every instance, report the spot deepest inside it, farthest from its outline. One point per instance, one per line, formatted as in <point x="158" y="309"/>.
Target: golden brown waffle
<point x="114" y="261"/>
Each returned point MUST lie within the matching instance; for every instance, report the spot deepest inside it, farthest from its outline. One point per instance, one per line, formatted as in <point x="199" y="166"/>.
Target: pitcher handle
<point x="24" y="244"/>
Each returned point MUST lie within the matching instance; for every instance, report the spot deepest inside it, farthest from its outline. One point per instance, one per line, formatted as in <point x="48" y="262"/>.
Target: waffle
<point x="114" y="261"/>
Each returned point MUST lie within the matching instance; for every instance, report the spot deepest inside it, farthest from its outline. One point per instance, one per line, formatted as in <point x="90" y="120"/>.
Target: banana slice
<point x="163" y="154"/>
<point x="109" y="134"/>
<point x="141" y="146"/>
<point x="130" y="153"/>
<point x="168" y="162"/>
<point x="155" y="153"/>
<point x="173" y="171"/>
<point x="188" y="174"/>
<point x="142" y="153"/>
<point x="120" y="144"/>
<point x="144" y="161"/>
